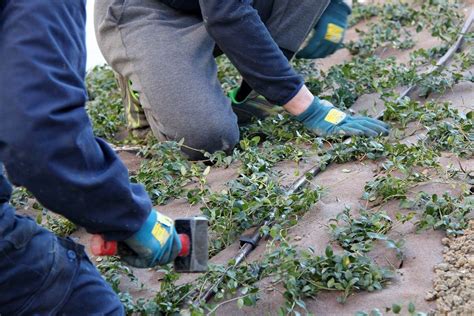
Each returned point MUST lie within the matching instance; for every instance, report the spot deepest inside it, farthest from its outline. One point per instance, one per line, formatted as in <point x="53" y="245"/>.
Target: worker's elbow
<point x="221" y="16"/>
<point x="17" y="147"/>
<point x="212" y="23"/>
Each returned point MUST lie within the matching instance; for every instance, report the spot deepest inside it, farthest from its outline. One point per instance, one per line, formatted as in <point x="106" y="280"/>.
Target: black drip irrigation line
<point x="250" y="242"/>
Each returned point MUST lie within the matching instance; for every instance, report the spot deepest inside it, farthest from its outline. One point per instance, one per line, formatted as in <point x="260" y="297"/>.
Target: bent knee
<point x="200" y="133"/>
<point x="210" y="138"/>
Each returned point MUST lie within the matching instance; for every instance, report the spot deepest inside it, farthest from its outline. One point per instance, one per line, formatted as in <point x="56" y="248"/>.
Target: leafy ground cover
<point x="403" y="166"/>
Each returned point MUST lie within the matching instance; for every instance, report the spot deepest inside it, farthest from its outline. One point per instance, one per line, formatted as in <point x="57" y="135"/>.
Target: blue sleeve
<point x="239" y="32"/>
<point x="46" y="139"/>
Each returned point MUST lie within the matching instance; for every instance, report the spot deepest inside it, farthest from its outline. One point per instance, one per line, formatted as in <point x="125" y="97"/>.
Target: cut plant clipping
<point x="328" y="225"/>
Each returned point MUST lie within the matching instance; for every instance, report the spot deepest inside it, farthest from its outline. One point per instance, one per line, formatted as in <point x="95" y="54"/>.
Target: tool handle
<point x="102" y="247"/>
<point x="185" y="245"/>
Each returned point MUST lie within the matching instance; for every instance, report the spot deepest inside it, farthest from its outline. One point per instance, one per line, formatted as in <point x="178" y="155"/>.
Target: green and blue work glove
<point x="328" y="34"/>
<point x="324" y="119"/>
<point x="156" y="243"/>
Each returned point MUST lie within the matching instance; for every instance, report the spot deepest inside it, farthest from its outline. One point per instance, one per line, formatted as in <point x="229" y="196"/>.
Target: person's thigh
<point x="289" y="21"/>
<point x="90" y="293"/>
<point x="44" y="275"/>
<point x="51" y="276"/>
<point x="168" y="56"/>
<point x="5" y="187"/>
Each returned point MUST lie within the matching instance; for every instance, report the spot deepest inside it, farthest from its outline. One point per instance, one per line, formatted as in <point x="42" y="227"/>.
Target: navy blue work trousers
<point x="42" y="274"/>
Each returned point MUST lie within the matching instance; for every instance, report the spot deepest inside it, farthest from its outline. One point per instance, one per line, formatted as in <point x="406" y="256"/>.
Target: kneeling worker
<point x="167" y="48"/>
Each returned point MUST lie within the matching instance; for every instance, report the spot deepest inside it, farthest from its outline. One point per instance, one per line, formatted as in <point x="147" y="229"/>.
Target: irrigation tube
<point x="301" y="182"/>
<point x="446" y="57"/>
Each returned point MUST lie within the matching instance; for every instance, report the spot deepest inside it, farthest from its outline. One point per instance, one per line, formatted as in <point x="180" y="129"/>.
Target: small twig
<point x="133" y="149"/>
<point x="229" y="301"/>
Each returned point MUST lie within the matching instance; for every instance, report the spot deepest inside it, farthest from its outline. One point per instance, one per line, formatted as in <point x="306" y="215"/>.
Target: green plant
<point x="381" y="34"/>
<point x="443" y="212"/>
<point x="437" y="81"/>
<point x="113" y="270"/>
<point x="105" y="103"/>
<point x="395" y="21"/>
<point x="20" y="197"/>
<point x="362" y="12"/>
<point x="59" y="225"/>
<point x="278" y="129"/>
<point x="358" y="233"/>
<point x="304" y="275"/>
<point x="165" y="172"/>
<point x="455" y="136"/>
<point x="395" y="309"/>
<point x="386" y="187"/>
<point x="171" y="296"/>
<point x="406" y="158"/>
<point x="357" y="149"/>
<point x="227" y="73"/>
<point x="248" y="201"/>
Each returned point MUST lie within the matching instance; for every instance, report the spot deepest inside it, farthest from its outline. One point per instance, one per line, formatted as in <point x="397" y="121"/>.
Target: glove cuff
<point x="323" y="111"/>
<point x="342" y="5"/>
<point x="310" y="111"/>
<point x="348" y="3"/>
<point x="233" y="96"/>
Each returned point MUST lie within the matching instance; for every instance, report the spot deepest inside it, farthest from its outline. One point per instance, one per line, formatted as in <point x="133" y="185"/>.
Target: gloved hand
<point x="328" y="34"/>
<point x="156" y="243"/>
<point x="324" y="119"/>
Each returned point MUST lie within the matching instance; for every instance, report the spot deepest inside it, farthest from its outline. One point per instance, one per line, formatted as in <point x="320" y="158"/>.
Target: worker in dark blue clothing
<point x="47" y="145"/>
<point x="166" y="48"/>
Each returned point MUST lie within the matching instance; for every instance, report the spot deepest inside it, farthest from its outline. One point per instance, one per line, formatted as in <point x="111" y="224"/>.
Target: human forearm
<point x="238" y="30"/>
<point x="46" y="139"/>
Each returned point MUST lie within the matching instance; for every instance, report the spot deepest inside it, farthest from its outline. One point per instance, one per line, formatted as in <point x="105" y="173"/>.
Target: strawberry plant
<point x="455" y="136"/>
<point x="395" y="309"/>
<point x="358" y="233"/>
<point x="105" y="104"/>
<point x="443" y="212"/>
<point x="305" y="274"/>
<point x="59" y="225"/>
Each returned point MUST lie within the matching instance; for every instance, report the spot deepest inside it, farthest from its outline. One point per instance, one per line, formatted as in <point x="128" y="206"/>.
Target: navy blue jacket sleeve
<point x="46" y="139"/>
<point x="239" y="32"/>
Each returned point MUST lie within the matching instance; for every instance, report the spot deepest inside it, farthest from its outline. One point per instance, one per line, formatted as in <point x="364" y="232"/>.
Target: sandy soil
<point x="454" y="279"/>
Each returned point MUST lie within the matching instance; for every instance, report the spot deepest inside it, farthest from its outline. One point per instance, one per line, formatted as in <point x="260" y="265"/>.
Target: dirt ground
<point x="437" y="273"/>
<point x="454" y="279"/>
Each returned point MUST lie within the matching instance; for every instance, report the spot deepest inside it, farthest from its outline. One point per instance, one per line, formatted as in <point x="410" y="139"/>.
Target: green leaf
<point x="376" y="312"/>
<point x="396" y="308"/>
<point x="331" y="283"/>
<point x="329" y="252"/>
<point x="376" y="236"/>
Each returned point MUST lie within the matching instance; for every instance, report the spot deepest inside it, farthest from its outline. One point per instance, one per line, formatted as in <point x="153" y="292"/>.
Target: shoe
<point x="136" y="119"/>
<point x="254" y="107"/>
